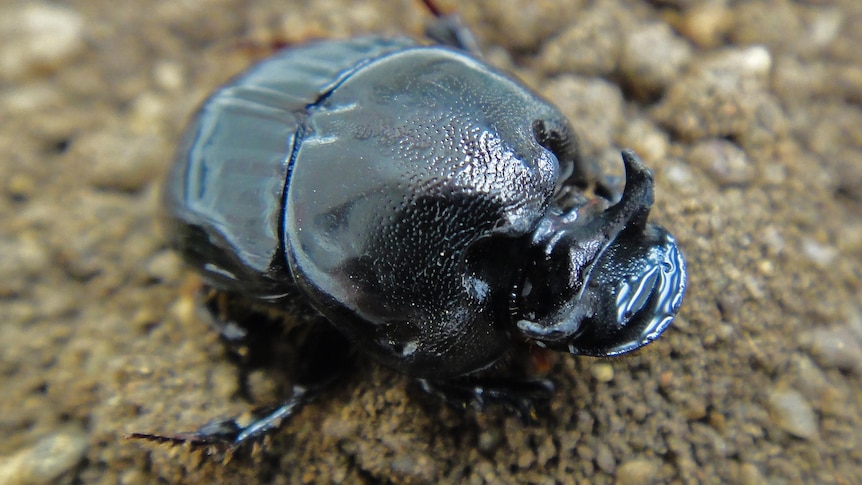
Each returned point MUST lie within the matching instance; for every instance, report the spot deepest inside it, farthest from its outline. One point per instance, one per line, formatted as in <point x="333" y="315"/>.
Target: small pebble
<point x="133" y="477"/>
<point x="694" y="408"/>
<point x="811" y="380"/>
<point x="30" y="98"/>
<point x="602" y="372"/>
<point x="782" y="26"/>
<point x="45" y="461"/>
<point x="122" y="160"/>
<point x="525" y="458"/>
<point x="706" y="23"/>
<point x="605" y="459"/>
<point x="169" y="75"/>
<point x="592" y="102"/>
<point x="819" y="253"/>
<point x="652" y="58"/>
<point x="184" y="310"/>
<point x="791" y="412"/>
<point x="489" y="440"/>
<point x="749" y="474"/>
<point x="590" y="47"/>
<point x="147" y="112"/>
<point x="726" y="163"/>
<point x="724" y="95"/>
<point x="817" y="387"/>
<point x="38" y="37"/>
<point x="21" y="186"/>
<point x="747" y="62"/>
<point x="416" y="468"/>
<point x="680" y="175"/>
<point x="854" y="323"/>
<point x="834" y="348"/>
<point x="523" y="28"/>
<point x="645" y="138"/>
<point x="636" y="472"/>
<point x="165" y="266"/>
<point x="21" y="259"/>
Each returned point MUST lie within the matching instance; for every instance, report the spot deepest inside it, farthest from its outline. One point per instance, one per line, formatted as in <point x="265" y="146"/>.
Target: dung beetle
<point x="428" y="206"/>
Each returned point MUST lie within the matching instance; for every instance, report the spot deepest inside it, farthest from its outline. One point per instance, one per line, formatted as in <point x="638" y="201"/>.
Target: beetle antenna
<point x="433" y="8"/>
<point x="448" y="29"/>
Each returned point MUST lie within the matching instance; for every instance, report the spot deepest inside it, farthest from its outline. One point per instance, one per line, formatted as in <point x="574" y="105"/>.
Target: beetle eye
<point x="546" y="137"/>
<point x="557" y="137"/>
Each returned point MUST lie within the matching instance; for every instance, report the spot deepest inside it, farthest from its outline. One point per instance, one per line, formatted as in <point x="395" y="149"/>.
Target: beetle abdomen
<point x="224" y="195"/>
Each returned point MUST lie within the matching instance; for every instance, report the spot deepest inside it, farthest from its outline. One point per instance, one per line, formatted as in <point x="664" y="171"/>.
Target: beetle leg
<point x="246" y="333"/>
<point x="319" y="357"/>
<point x="517" y="396"/>
<point x="449" y="29"/>
<point x="256" y="336"/>
<point x="230" y="433"/>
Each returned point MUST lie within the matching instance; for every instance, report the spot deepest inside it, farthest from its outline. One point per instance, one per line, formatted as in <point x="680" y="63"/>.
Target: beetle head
<point x="606" y="285"/>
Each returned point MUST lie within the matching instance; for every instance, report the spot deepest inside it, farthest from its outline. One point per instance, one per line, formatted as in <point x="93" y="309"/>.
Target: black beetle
<point x="428" y="206"/>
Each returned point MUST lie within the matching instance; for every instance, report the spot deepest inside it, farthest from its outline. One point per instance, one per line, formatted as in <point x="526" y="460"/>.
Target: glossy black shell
<point x="393" y="185"/>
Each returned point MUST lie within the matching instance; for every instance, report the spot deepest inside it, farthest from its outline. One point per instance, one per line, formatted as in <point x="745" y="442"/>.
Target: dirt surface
<point x="749" y="113"/>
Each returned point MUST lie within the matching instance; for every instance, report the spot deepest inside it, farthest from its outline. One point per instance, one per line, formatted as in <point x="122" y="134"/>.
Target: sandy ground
<point x="749" y="113"/>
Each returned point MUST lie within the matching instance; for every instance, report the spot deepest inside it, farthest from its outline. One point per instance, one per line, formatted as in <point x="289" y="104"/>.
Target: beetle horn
<point x="605" y="286"/>
<point x="632" y="211"/>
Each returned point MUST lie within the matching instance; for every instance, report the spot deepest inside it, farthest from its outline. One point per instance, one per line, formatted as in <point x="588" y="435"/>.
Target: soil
<point x="748" y="112"/>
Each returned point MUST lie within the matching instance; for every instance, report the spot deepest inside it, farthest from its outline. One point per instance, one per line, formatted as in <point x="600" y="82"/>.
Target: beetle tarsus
<point x="228" y="434"/>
